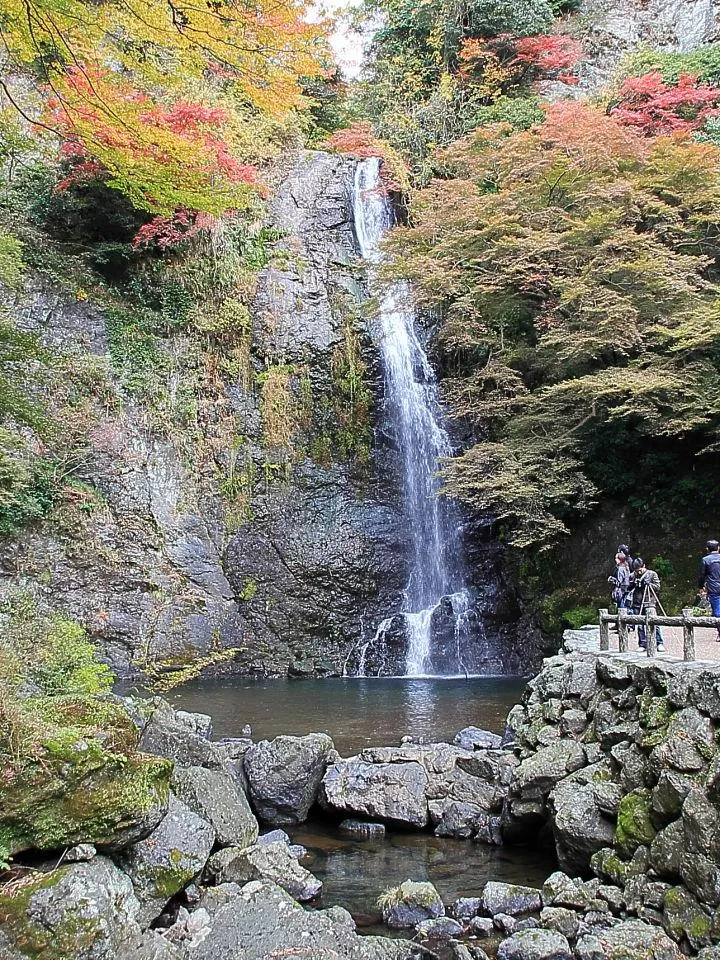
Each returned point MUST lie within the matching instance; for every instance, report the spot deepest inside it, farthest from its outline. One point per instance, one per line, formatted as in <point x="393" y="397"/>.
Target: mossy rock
<point x="77" y="912"/>
<point x="655" y="712"/>
<point x="83" y="781"/>
<point x="634" y="824"/>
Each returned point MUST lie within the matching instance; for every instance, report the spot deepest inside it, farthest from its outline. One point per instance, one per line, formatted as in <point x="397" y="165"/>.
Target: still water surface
<point x="356" y="713"/>
<point x="356" y="872"/>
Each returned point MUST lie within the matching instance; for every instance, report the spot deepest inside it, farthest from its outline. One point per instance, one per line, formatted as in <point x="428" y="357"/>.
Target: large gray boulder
<point x="176" y="737"/>
<point x="410" y="904"/>
<point x="539" y="773"/>
<point x="535" y="945"/>
<point x="579" y="826"/>
<point x="169" y="859"/>
<point x="637" y="940"/>
<point x="215" y="796"/>
<point x="388" y="791"/>
<point x="473" y="738"/>
<point x="272" y="861"/>
<point x="86" y="911"/>
<point x="261" y="921"/>
<point x="284" y="776"/>
<point x="509" y="898"/>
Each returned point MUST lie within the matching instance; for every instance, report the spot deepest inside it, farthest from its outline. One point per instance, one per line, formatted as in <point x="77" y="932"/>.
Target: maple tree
<point x="654" y="107"/>
<point x="575" y="267"/>
<point x="162" y="96"/>
<point x="492" y="65"/>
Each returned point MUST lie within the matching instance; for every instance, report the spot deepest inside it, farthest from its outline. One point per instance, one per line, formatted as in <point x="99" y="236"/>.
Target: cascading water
<point x="435" y="595"/>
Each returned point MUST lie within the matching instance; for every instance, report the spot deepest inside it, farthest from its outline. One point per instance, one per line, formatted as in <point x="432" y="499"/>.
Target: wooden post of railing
<point x="688" y="634"/>
<point x="604" y="631"/>
<point x="651" y="632"/>
<point x="622" y="630"/>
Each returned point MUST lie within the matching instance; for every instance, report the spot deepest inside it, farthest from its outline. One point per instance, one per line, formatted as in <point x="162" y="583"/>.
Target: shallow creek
<point x="358" y="713"/>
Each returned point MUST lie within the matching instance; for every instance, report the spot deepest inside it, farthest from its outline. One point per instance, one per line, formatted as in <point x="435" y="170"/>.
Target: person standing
<point x="646" y="593"/>
<point x="709" y="578"/>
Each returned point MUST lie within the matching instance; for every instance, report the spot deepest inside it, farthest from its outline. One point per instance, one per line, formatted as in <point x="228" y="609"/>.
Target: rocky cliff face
<point x="609" y="29"/>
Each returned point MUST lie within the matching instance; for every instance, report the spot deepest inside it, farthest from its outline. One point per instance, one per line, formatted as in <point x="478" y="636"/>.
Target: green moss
<point x="655" y="712"/>
<point x="71" y="937"/>
<point x="83" y="782"/>
<point x="634" y="826"/>
<point x="167" y="881"/>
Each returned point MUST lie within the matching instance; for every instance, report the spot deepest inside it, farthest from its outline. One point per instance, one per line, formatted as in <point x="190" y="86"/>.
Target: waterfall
<point x="435" y="599"/>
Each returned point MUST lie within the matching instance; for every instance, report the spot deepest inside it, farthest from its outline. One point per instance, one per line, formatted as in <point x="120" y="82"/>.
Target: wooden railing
<point x="651" y="621"/>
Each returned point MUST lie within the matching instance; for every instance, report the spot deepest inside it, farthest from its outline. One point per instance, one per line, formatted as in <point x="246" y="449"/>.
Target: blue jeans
<point x="642" y="638"/>
<point x="714" y="599"/>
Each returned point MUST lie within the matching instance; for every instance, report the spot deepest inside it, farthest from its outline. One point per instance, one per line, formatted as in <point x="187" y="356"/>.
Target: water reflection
<point x="356" y="872"/>
<point x="355" y="712"/>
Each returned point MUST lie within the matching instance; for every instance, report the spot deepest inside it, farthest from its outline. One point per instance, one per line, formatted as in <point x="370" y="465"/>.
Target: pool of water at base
<point x="355" y="872"/>
<point x="356" y="713"/>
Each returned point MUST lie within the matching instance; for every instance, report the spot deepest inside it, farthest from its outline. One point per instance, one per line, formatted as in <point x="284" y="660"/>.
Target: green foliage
<point x="575" y="268"/>
<point x="704" y="62"/>
<point x="12" y="265"/>
<point x="49" y="651"/>
<point x="412" y="90"/>
<point x="520" y="112"/>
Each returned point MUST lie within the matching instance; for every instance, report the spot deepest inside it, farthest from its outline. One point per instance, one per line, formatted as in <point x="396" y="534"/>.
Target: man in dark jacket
<point x="645" y="585"/>
<point x="709" y="578"/>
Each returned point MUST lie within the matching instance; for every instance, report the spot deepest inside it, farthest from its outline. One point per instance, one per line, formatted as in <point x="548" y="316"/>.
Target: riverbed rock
<point x="440" y="928"/>
<point x="509" y="898"/>
<point x="473" y="738"/>
<point x="362" y="829"/>
<point x="267" y="922"/>
<point x="535" y="945"/>
<point x="215" y="796"/>
<point x="464" y="908"/>
<point x="86" y="911"/>
<point x="284" y="776"/>
<point x="169" y="859"/>
<point x="273" y="862"/>
<point x="410" y="904"/>
<point x="561" y="920"/>
<point x="390" y="791"/>
<point x="641" y="941"/>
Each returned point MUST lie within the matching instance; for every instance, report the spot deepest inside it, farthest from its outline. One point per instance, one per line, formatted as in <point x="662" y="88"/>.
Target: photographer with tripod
<point x="645" y="585"/>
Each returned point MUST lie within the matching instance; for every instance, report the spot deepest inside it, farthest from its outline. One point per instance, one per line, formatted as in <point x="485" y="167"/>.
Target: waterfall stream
<point x="434" y="626"/>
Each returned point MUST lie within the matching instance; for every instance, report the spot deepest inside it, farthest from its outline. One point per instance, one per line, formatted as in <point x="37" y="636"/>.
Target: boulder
<point x="86" y="911"/>
<point x="164" y="735"/>
<point x="492" y="766"/>
<point x="684" y="918"/>
<point x="579" y="826"/>
<point x="535" y="945"/>
<point x="510" y="899"/>
<point x="261" y="921"/>
<point x="215" y="796"/>
<point x="389" y="791"/>
<point x="169" y="859"/>
<point x="540" y="772"/>
<point x="151" y="946"/>
<point x="482" y="927"/>
<point x="88" y="787"/>
<point x="561" y="920"/>
<point x="465" y="908"/>
<point x="410" y="904"/>
<point x="284" y="776"/>
<point x="363" y="829"/>
<point x="667" y="850"/>
<point x="441" y="928"/>
<point x="641" y="941"/>
<point x="463" y="820"/>
<point x="473" y="738"/>
<point x="634" y="822"/>
<point x="273" y="861"/>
